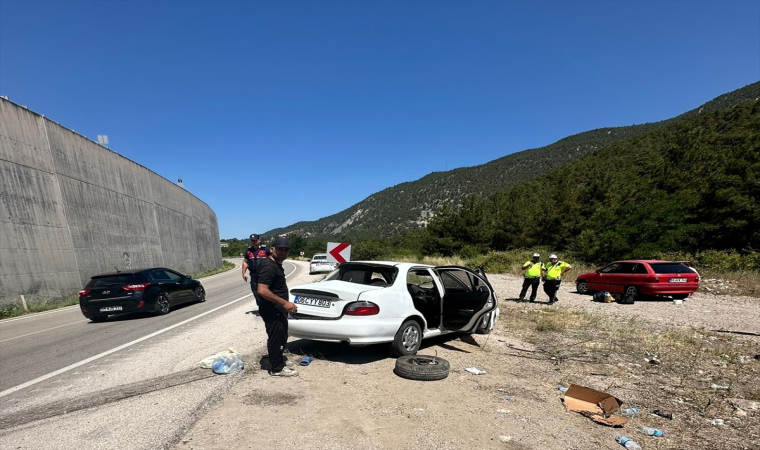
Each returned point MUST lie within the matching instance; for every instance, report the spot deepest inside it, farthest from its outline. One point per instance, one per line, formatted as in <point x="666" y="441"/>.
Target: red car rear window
<point x="670" y="268"/>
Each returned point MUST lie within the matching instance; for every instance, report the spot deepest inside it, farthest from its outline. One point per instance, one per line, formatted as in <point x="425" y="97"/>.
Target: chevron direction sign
<point x="338" y="253"/>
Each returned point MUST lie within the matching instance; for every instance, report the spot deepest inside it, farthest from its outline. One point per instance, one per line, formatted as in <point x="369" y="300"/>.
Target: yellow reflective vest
<point x="534" y="270"/>
<point x="554" y="271"/>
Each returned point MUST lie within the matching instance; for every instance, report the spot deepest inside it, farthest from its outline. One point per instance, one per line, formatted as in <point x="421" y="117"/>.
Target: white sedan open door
<point x="467" y="298"/>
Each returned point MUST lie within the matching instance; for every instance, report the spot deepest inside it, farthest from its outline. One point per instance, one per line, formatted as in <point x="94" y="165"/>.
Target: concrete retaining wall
<point x="70" y="208"/>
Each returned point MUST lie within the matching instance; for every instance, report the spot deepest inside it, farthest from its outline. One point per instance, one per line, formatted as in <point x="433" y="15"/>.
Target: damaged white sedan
<point x="373" y="302"/>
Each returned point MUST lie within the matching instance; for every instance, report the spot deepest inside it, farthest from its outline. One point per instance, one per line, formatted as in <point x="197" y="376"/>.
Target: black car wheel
<point x="407" y="340"/>
<point x="422" y="367"/>
<point x="631" y="291"/>
<point x="162" y="304"/>
<point x="200" y="294"/>
<point x="582" y="287"/>
<point x="485" y="323"/>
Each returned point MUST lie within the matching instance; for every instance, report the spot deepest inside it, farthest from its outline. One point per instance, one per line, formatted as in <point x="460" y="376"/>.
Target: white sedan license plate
<point x="110" y="308"/>
<point x="678" y="280"/>
<point x="311" y="301"/>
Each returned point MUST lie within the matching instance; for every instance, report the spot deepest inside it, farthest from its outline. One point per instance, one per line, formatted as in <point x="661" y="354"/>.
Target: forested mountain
<point x="411" y="205"/>
<point x="691" y="186"/>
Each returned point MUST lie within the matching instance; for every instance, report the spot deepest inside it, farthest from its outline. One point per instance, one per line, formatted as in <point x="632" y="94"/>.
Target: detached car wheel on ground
<point x="422" y="367"/>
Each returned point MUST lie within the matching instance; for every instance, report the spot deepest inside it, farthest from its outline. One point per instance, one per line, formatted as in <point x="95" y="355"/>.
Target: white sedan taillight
<point x="362" y="309"/>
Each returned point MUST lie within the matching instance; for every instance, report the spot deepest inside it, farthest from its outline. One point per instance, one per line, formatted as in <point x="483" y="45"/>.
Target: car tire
<point x="631" y="291"/>
<point x="407" y="340"/>
<point x="582" y="288"/>
<point x="679" y="296"/>
<point x="422" y="367"/>
<point x="98" y="318"/>
<point x="162" y="305"/>
<point x="200" y="294"/>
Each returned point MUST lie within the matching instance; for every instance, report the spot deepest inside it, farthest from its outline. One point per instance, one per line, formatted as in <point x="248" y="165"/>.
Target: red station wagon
<point x="645" y="277"/>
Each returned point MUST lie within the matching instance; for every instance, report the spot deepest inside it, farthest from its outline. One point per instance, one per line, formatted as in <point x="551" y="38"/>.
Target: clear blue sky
<point x="278" y="112"/>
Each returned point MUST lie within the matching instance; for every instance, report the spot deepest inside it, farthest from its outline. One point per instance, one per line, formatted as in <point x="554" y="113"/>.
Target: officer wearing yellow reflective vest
<point x="552" y="276"/>
<point x="532" y="270"/>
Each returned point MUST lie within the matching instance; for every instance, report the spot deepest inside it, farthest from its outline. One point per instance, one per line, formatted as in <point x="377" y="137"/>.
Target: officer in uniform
<point x="552" y="276"/>
<point x="532" y="270"/>
<point x="251" y="261"/>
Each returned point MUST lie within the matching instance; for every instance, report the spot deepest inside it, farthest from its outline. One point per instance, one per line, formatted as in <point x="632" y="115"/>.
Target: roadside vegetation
<point x="696" y="374"/>
<point x="47" y="305"/>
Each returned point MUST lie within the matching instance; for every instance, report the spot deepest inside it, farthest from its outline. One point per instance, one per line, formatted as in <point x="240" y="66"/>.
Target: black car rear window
<point x="670" y="268"/>
<point x="114" y="280"/>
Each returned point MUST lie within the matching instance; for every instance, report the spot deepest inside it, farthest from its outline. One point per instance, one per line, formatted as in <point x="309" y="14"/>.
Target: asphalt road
<point x="98" y="381"/>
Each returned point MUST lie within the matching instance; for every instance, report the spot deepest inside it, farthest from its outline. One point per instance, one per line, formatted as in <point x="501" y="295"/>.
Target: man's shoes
<point x="289" y="364"/>
<point x="520" y="300"/>
<point x="533" y="300"/>
<point x="285" y="372"/>
<point x="552" y="301"/>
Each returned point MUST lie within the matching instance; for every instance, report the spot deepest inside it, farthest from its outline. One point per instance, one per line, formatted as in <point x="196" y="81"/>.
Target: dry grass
<point x="650" y="368"/>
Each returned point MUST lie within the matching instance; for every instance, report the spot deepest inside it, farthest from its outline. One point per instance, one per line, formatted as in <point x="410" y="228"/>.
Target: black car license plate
<point x="311" y="301"/>
<point x="110" y="308"/>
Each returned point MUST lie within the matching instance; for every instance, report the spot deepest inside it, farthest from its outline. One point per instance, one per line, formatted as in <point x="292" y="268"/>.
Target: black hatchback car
<point x="151" y="290"/>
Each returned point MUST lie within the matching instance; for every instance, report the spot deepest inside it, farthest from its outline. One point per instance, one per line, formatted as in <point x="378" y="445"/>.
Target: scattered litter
<point x="230" y="363"/>
<point x="649" y="431"/>
<point x="603" y="297"/>
<point x="628" y="412"/>
<point x="718" y="386"/>
<point x="509" y="399"/>
<point x="665" y="414"/>
<point x="209" y="360"/>
<point x="718" y="422"/>
<point x="562" y="388"/>
<point x="627" y="443"/>
<point x="503" y="411"/>
<point x="475" y="371"/>
<point x="306" y="360"/>
<point x="747" y="405"/>
<point x="596" y="405"/>
<point x="744" y="359"/>
<point x="678" y="302"/>
<point x="505" y="438"/>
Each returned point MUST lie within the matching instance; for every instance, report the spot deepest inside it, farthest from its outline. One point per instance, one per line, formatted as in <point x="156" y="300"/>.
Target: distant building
<point x="224" y="244"/>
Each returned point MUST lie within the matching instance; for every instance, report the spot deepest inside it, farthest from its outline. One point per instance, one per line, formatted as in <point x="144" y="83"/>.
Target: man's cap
<point x="281" y="242"/>
<point x="255" y="237"/>
<point x="536" y="255"/>
<point x="552" y="256"/>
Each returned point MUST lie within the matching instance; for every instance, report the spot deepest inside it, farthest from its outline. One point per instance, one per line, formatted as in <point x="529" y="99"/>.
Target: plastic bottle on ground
<point x="717" y="422"/>
<point x="627" y="443"/>
<point x="227" y="364"/>
<point x="649" y="431"/>
<point x="628" y="412"/>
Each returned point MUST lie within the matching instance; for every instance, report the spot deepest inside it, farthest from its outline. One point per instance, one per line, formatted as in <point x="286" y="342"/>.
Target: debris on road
<point x="596" y="405"/>
<point x="475" y="371"/>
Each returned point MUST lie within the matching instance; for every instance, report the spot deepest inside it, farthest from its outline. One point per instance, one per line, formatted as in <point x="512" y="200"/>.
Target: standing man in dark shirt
<point x="274" y="306"/>
<point x="251" y="259"/>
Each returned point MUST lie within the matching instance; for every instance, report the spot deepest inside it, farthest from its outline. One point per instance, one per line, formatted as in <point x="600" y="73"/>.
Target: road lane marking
<point x="42" y="331"/>
<point x="113" y="350"/>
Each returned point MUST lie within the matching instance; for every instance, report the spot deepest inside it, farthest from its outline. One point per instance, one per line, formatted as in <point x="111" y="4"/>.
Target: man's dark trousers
<point x="276" y="323"/>
<point x="551" y="287"/>
<point x="533" y="283"/>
